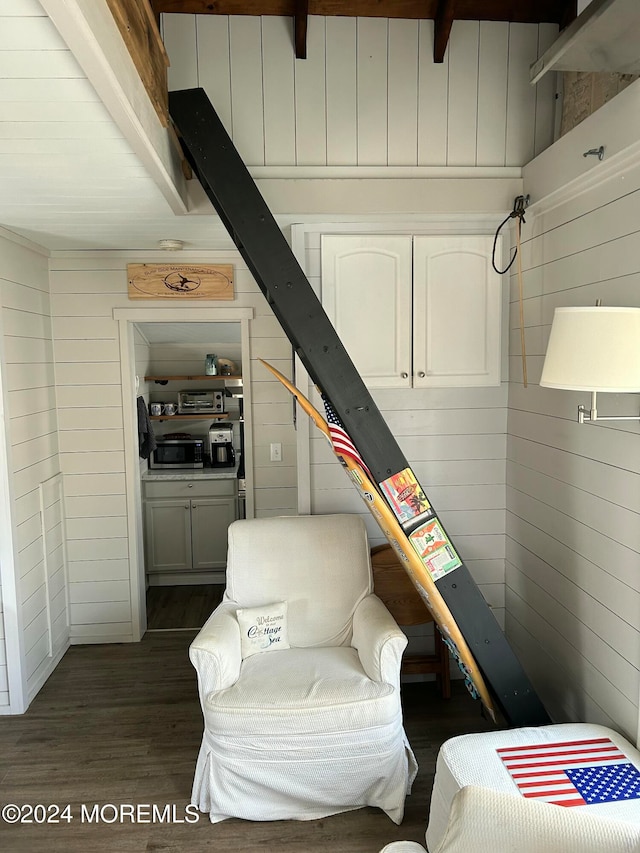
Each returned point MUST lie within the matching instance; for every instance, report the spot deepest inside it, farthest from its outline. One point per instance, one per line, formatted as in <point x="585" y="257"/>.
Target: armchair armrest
<point x="378" y="640"/>
<point x="216" y="653"/>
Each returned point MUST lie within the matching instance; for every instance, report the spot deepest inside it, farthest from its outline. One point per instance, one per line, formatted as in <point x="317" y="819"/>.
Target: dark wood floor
<point x="171" y="607"/>
<point x="121" y="724"/>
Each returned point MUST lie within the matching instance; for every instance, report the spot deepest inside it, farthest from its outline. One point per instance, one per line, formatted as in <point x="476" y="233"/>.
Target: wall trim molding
<point x="381" y="172"/>
<point x="613" y="169"/>
<point x="561" y="172"/>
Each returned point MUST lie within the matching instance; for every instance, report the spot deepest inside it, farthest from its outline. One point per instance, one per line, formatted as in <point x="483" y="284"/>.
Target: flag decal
<point x="573" y="773"/>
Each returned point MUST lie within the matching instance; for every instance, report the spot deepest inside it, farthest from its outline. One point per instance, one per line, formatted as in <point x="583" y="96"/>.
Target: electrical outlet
<point x="276" y="451"/>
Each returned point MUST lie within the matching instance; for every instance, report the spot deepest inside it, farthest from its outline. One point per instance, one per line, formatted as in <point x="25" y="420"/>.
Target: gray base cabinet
<point x="186" y="524"/>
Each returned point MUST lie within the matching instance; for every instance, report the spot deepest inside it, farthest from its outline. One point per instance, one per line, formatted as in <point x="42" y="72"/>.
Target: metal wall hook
<point x="598" y="152"/>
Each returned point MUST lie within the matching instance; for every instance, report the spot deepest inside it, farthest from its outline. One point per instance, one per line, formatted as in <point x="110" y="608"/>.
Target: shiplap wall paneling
<point x="342" y="98"/>
<point x="310" y="98"/>
<point x="573" y="589"/>
<point x="181" y="42"/>
<point x="433" y="100"/>
<point x="279" y="107"/>
<point x="32" y="434"/>
<point x="214" y="71"/>
<point x="462" y="123"/>
<point x="275" y="484"/>
<point x="92" y="447"/>
<point x="85" y="292"/>
<point x="372" y="85"/>
<point x="402" y="143"/>
<point x="455" y="442"/>
<point x="546" y="94"/>
<point x="521" y="95"/>
<point x="493" y="66"/>
<point x="369" y="93"/>
<point x="247" y="92"/>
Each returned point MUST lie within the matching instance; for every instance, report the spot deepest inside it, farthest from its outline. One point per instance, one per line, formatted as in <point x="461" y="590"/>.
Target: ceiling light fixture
<point x="171" y="245"/>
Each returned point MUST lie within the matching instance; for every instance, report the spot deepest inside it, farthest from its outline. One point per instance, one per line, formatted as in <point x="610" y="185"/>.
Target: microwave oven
<point x="206" y="401"/>
<point x="178" y="453"/>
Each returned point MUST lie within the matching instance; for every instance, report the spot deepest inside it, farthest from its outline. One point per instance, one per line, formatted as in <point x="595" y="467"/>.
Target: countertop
<point x="158" y="474"/>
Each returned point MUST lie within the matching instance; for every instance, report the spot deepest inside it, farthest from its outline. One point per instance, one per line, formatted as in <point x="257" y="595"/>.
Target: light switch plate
<point x="276" y="451"/>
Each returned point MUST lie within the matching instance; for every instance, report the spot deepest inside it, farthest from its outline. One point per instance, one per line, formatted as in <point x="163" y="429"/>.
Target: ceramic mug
<point x="155" y="408"/>
<point x="169" y="408"/>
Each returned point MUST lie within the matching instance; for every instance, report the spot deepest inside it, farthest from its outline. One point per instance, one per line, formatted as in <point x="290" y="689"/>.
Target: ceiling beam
<point x="300" y="27"/>
<point x="521" y="11"/>
<point x="442" y="28"/>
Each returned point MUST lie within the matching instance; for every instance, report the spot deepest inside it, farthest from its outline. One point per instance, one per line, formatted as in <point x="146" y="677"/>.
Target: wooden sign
<point x="180" y="281"/>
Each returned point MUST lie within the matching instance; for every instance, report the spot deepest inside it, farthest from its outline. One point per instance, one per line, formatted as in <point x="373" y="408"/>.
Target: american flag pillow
<point x="573" y="773"/>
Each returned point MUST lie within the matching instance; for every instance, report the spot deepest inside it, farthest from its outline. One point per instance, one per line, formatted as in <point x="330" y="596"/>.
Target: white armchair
<point x="316" y="728"/>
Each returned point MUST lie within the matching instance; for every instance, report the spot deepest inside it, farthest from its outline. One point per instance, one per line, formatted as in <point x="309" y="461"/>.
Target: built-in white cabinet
<point x="186" y="525"/>
<point x="415" y="311"/>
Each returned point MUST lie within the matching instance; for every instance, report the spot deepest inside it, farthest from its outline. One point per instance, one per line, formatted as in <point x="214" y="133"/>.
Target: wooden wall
<point x="85" y="290"/>
<point x="369" y="92"/>
<point x="31" y="430"/>
<point x="573" y="492"/>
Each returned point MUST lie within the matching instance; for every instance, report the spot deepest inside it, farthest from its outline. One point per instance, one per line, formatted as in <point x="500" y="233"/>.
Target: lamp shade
<point x="594" y="349"/>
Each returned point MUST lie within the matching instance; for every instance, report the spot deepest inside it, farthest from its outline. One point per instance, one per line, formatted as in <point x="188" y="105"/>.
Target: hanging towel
<point x="146" y="439"/>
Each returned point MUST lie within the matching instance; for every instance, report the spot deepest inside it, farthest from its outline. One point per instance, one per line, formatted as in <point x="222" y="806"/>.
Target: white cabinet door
<point x="366" y="292"/>
<point x="168" y="524"/>
<point x="210" y="519"/>
<point x="456" y="312"/>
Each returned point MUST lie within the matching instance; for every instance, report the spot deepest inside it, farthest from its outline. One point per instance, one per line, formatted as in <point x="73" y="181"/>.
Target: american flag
<point x="340" y="440"/>
<point x="573" y="773"/>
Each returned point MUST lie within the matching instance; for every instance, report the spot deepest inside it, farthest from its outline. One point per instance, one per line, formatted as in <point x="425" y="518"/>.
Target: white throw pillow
<point x="263" y="629"/>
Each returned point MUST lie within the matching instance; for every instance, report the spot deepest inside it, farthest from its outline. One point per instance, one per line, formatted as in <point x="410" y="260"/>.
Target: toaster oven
<point x="203" y="402"/>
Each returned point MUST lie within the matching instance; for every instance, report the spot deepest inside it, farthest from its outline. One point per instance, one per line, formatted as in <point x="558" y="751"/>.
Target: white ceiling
<point x="191" y="333"/>
<point x="69" y="179"/>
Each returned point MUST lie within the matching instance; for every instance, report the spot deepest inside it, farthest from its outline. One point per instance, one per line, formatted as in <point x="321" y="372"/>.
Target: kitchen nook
<point x="192" y="477"/>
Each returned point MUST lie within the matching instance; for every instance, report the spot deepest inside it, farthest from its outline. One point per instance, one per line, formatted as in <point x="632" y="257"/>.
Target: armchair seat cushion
<point x="302" y="691"/>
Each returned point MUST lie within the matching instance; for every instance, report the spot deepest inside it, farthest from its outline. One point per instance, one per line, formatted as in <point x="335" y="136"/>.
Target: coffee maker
<point x="220" y="442"/>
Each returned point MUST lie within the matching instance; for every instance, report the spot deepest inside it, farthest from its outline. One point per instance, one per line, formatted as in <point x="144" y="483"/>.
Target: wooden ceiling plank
<point x="442" y="29"/>
<point x="300" y="26"/>
<point x="520" y="11"/>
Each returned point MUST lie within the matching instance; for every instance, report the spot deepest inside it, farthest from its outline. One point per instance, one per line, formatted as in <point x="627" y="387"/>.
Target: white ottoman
<point x="473" y="760"/>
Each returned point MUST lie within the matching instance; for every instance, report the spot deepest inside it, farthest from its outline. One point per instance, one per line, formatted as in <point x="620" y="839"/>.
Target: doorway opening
<point x="178" y="517"/>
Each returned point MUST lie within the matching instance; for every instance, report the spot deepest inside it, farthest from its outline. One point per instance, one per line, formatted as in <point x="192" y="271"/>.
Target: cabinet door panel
<point x="168" y="535"/>
<point x="366" y="292"/>
<point x="457" y="310"/>
<point x="210" y="519"/>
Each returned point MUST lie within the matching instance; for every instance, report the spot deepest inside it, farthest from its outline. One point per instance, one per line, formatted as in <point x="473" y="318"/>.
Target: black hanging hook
<point x="520" y="204"/>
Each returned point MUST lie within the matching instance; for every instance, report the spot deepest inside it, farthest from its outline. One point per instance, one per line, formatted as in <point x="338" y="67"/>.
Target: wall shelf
<point x="200" y="417"/>
<point x="162" y="380"/>
<point x="602" y="38"/>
